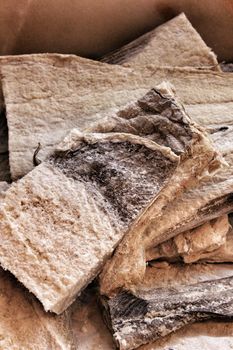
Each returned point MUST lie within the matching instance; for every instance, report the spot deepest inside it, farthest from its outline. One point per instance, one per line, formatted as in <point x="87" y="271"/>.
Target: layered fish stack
<point x="131" y="190"/>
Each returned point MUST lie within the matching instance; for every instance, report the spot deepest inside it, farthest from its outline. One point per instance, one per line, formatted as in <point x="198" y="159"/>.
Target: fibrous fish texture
<point x="23" y="322"/>
<point x="47" y="95"/>
<point x="223" y="254"/>
<point x="211" y="198"/>
<point x="62" y="221"/>
<point x="191" y="246"/>
<point x="208" y="199"/>
<point x="153" y="311"/>
<point x="25" y="325"/>
<point x="175" y="43"/>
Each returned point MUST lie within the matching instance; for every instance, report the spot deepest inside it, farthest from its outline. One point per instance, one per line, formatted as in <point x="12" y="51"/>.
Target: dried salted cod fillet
<point x="175" y="43"/>
<point x="47" y="95"/>
<point x="62" y="221"/>
<point x="212" y="197"/>
<point x="71" y="216"/>
<point x="153" y="311"/>
<point x="191" y="245"/>
<point x="207" y="200"/>
<point x="25" y="325"/>
<point x="91" y="333"/>
<point x="23" y="322"/>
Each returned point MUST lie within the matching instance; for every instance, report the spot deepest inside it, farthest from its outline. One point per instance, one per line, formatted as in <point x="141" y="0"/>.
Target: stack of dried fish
<point x="136" y="167"/>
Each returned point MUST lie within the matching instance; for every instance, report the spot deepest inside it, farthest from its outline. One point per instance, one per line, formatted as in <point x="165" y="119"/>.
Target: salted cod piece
<point x="56" y="242"/>
<point x="160" y="44"/>
<point x="25" y="325"/>
<point x="177" y="31"/>
<point x="175" y="43"/>
<point x="190" y="246"/>
<point x="153" y="311"/>
<point x="144" y="51"/>
<point x="210" y="198"/>
<point x="47" y="95"/>
<point x="91" y="333"/>
<point x="23" y="322"/>
<point x="216" y="193"/>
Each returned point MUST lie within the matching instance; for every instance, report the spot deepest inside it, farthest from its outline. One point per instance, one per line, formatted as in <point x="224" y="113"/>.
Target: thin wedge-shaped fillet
<point x="190" y="246"/>
<point x="175" y="43"/>
<point x="62" y="221"/>
<point x="221" y="132"/>
<point x="47" y="95"/>
<point x="151" y="311"/>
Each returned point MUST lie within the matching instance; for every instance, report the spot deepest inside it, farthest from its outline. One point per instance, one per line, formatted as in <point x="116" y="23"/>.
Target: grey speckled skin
<point x="143" y="317"/>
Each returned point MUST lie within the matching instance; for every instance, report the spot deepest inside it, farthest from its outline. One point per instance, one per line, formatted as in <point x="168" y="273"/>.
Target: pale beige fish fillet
<point x="175" y="43"/>
<point x="207" y="200"/>
<point x="23" y="322"/>
<point x="61" y="222"/>
<point x="47" y="95"/>
<point x="25" y="325"/>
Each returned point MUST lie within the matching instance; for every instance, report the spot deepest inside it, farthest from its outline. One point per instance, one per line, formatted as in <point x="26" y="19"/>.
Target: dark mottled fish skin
<point x="127" y="175"/>
<point x="158" y="117"/>
<point x="149" y="314"/>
